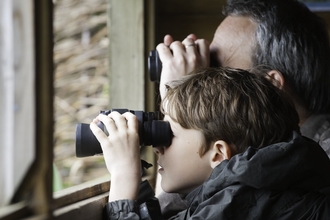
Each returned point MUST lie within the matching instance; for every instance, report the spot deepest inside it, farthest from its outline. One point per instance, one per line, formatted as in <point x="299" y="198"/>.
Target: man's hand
<point x="181" y="58"/>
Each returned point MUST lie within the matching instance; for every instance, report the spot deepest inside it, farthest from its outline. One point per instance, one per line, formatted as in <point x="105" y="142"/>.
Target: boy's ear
<point x="274" y="74"/>
<point x="221" y="150"/>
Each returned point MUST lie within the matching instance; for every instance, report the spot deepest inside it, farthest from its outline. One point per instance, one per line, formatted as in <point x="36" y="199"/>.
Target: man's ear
<point x="221" y="150"/>
<point x="278" y="76"/>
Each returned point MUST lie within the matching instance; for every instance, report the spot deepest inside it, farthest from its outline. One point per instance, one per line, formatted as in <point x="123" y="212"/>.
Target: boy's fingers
<point x="108" y="122"/>
<point x="98" y="133"/>
<point x="132" y="121"/>
<point x="118" y="119"/>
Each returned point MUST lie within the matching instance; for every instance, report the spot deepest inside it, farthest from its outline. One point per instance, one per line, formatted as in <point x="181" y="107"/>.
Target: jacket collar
<point x="299" y="163"/>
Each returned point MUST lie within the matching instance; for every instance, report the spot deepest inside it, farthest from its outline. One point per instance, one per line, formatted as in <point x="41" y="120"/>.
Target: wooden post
<point x="126" y="54"/>
<point x="17" y="94"/>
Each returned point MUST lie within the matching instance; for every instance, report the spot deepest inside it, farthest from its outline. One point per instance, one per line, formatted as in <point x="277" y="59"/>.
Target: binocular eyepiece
<point x="152" y="131"/>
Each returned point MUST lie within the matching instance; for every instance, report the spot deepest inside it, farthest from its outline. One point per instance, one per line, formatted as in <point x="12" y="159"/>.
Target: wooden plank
<point x="179" y="26"/>
<point x="43" y="182"/>
<point x="85" y="201"/>
<point x="36" y="187"/>
<point x="14" y="211"/>
<point x="7" y="85"/>
<point x="91" y="208"/>
<point x="180" y="18"/>
<point x="126" y="54"/>
<point x="326" y="16"/>
<point x="80" y="192"/>
<point x="24" y="65"/>
<point x="17" y="114"/>
<point x="182" y="7"/>
<point x="150" y="44"/>
<point x="86" y="190"/>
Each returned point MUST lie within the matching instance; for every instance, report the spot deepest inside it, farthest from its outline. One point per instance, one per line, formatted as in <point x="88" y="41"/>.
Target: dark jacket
<point x="317" y="127"/>
<point x="289" y="180"/>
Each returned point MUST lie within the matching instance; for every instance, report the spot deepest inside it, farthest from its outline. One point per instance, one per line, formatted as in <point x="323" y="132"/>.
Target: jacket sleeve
<point x="146" y="207"/>
<point x="122" y="209"/>
<point x="128" y="209"/>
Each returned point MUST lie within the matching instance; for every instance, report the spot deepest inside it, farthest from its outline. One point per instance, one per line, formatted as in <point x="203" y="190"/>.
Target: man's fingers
<point x="192" y="36"/>
<point x="189" y="44"/>
<point x="177" y="48"/>
<point x="164" y="52"/>
<point x="168" y="39"/>
<point x="203" y="47"/>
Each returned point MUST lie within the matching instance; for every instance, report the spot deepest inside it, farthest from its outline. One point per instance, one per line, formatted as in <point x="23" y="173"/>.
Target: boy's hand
<point x="121" y="152"/>
<point x="180" y="58"/>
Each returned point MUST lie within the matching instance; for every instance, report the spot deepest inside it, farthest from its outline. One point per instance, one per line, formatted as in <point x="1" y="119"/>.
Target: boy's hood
<point x="300" y="164"/>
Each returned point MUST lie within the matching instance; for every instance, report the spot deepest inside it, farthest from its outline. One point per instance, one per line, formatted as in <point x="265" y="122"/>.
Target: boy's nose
<point x="159" y="150"/>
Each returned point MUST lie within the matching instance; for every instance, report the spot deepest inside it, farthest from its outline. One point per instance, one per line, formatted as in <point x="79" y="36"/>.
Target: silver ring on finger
<point x="190" y="45"/>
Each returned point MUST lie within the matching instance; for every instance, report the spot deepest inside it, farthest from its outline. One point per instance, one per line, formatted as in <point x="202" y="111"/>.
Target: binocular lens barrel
<point x="154" y="66"/>
<point x="86" y="142"/>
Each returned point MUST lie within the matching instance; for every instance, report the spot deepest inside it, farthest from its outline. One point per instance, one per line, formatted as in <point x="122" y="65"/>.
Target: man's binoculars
<point x="155" y="65"/>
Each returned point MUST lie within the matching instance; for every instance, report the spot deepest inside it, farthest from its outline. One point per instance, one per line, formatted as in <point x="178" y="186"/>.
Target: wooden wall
<point x="326" y="17"/>
<point x="180" y="18"/>
<point x="126" y="53"/>
<point x="17" y="118"/>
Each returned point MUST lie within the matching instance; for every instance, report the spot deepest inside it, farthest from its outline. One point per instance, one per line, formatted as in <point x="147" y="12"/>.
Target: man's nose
<point x="159" y="150"/>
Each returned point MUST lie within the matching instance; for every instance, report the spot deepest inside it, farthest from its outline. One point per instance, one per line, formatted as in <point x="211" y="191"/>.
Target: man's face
<point x="233" y="41"/>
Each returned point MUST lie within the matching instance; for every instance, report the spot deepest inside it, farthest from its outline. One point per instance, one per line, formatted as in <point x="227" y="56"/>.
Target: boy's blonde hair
<point x="237" y="106"/>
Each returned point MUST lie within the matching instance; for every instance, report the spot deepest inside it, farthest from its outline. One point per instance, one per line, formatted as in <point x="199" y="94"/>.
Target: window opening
<point x="81" y="84"/>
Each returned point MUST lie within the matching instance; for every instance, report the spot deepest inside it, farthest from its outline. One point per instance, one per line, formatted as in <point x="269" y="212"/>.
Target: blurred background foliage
<point x="81" y="84"/>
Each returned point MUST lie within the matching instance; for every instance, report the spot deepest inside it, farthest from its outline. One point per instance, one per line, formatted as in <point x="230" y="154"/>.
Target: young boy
<point x="236" y="152"/>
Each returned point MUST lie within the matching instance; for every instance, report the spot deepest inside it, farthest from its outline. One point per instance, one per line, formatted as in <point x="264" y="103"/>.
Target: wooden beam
<point x="17" y="100"/>
<point x="91" y="208"/>
<point x="36" y="187"/>
<point x="81" y="192"/>
<point x="44" y="101"/>
<point x="126" y="54"/>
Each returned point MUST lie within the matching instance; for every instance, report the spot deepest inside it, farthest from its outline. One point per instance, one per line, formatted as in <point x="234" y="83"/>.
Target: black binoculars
<point x="155" y="65"/>
<point x="152" y="131"/>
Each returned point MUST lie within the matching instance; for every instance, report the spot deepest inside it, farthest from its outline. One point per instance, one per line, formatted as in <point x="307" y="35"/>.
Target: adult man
<point x="284" y="36"/>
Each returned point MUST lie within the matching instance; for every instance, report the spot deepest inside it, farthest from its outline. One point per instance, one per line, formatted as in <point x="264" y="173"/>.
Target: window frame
<point x="34" y="197"/>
